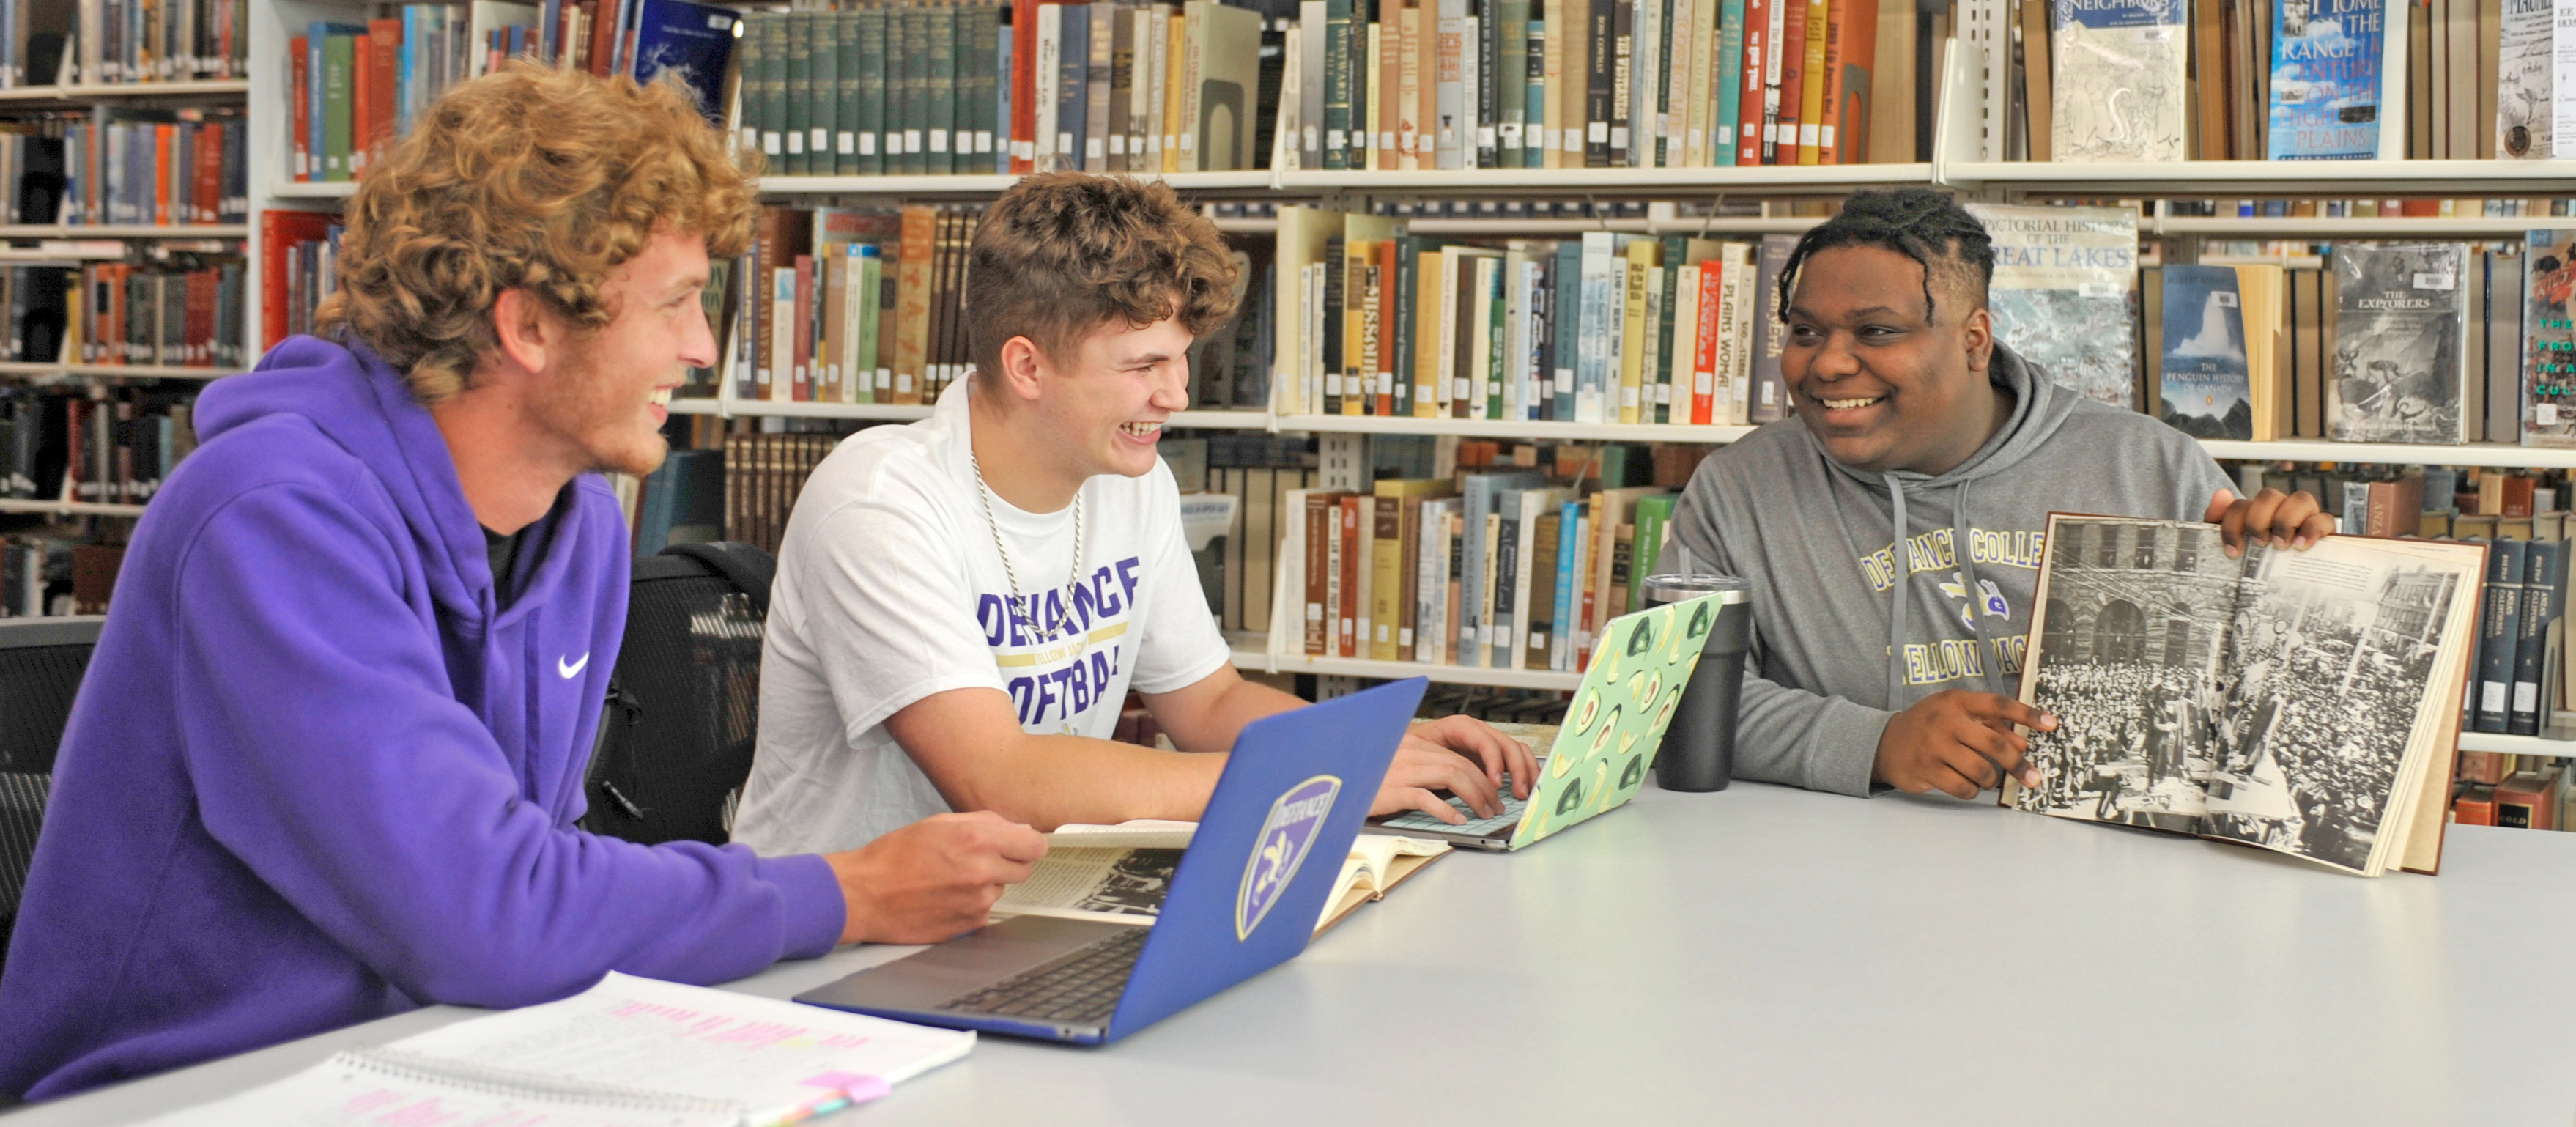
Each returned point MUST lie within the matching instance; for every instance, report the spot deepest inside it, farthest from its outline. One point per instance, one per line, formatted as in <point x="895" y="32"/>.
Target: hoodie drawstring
<point x="1904" y="596"/>
<point x="1993" y="673"/>
<point x="1905" y="593"/>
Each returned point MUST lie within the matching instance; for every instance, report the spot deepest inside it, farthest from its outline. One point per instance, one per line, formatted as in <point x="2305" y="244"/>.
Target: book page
<point x="766" y="1054"/>
<point x="2343" y="656"/>
<point x="2127" y="650"/>
<point x="379" y="1086"/>
<point x="1122" y="885"/>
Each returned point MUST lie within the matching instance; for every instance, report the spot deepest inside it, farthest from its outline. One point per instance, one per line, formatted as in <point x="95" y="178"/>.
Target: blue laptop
<point x="1245" y="898"/>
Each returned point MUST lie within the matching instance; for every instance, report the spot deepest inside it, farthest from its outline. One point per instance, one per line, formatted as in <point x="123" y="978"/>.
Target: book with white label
<point x="631" y="1051"/>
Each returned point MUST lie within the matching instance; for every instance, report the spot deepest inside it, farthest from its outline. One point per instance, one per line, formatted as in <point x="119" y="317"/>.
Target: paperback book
<point x="2399" y="374"/>
<point x="2304" y="702"/>
<point x="2118" y="80"/>
<point x="2549" y="342"/>
<point x="2205" y="385"/>
<point x="2064" y="294"/>
<point x="2330" y="79"/>
<point x="2525" y="59"/>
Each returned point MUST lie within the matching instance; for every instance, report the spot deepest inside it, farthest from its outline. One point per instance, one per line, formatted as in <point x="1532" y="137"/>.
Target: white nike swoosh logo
<point x="571" y="669"/>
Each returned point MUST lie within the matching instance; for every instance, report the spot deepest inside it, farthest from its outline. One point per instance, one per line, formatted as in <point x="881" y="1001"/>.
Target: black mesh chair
<point x="41" y="662"/>
<point x="675" y="738"/>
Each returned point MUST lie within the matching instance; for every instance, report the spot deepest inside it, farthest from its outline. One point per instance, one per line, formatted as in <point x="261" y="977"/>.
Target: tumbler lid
<point x="1672" y="588"/>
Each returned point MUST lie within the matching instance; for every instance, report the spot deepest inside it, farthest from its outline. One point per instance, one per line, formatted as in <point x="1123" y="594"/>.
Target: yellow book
<point x="2262" y="301"/>
<point x="1408" y="93"/>
<point x="1644" y="269"/>
<point x="1177" y="38"/>
<point x="1429" y="402"/>
<point x="1387" y="598"/>
<point x="1811" y="101"/>
<point x="1359" y="339"/>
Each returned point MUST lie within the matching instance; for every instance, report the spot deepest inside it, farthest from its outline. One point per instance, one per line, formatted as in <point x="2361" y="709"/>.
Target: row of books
<point x="880" y="89"/>
<point x="1609" y="327"/>
<point x="849" y="305"/>
<point x="2160" y="80"/>
<point x="1602" y="83"/>
<point x="2520" y="791"/>
<point x="97" y="42"/>
<point x="150" y="168"/>
<point x="186" y="315"/>
<point x="112" y="450"/>
<point x="299" y="253"/>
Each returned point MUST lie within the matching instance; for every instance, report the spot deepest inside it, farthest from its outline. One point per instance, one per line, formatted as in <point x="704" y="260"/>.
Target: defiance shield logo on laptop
<point x="1287" y="837"/>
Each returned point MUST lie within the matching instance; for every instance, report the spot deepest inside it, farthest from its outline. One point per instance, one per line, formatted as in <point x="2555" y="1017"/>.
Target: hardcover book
<point x="2203" y="384"/>
<point x="2398" y="375"/>
<point x="2549" y="342"/>
<point x="2064" y="294"/>
<point x="2304" y="702"/>
<point x="2118" y="79"/>
<point x="2329" y="80"/>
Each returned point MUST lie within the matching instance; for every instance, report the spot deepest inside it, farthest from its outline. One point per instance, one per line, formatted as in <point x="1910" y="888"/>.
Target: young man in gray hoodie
<point x="1919" y="438"/>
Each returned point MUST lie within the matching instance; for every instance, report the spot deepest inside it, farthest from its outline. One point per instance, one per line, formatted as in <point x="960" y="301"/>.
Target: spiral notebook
<point x="629" y="1052"/>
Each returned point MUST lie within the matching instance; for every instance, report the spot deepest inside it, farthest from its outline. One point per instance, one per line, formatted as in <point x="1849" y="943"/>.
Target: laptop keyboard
<point x="1499" y="823"/>
<point x="1081" y="989"/>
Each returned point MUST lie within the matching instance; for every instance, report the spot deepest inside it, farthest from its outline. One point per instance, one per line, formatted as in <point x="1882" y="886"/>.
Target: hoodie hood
<point x="362" y="404"/>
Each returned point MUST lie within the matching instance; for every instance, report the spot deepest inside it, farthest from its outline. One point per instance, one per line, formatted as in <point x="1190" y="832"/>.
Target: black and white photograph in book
<point x="2398" y="373"/>
<point x="2129" y="660"/>
<point x="1135" y="884"/>
<point x="2292" y="700"/>
<point x="2334" y="658"/>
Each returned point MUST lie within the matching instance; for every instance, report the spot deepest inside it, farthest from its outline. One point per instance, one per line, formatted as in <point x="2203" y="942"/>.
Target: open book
<point x="2305" y="702"/>
<point x="1120" y="873"/>
<point x="631" y="1052"/>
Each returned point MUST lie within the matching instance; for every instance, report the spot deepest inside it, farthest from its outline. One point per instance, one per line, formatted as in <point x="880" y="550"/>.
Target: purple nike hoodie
<point x="314" y="777"/>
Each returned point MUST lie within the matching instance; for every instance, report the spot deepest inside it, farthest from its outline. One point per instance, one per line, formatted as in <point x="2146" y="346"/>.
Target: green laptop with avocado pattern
<point x="1617" y="719"/>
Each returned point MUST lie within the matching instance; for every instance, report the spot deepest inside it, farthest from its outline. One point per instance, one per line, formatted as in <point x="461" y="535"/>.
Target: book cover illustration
<point x="2204" y="382"/>
<point x="2327" y="82"/>
<point x="2064" y="295"/>
<point x="693" y="43"/>
<point x="2291" y="700"/>
<point x="2524" y="62"/>
<point x="2549" y="343"/>
<point x="1618" y="714"/>
<point x="2118" y="80"/>
<point x="2397" y="373"/>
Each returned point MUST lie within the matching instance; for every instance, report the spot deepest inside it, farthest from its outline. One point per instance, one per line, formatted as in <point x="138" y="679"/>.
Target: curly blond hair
<point x="533" y="178"/>
<point x="1063" y="253"/>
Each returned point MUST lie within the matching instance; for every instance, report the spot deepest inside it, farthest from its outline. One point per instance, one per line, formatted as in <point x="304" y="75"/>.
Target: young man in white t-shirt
<point x="963" y="604"/>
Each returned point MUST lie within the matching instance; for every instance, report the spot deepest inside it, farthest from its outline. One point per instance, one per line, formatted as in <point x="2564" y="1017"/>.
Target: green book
<point x="871" y="115"/>
<point x="799" y="92"/>
<point x="1512" y="81"/>
<point x="823" y="98"/>
<point x="339" y="58"/>
<point x="1497" y="352"/>
<point x="845" y="94"/>
<point x="1653" y="515"/>
<point x="747" y="101"/>
<point x="867" y="276"/>
<point x="773" y="94"/>
<point x="939" y="91"/>
<point x="983" y="23"/>
<point x="914" y="40"/>
<point x="1337" y="86"/>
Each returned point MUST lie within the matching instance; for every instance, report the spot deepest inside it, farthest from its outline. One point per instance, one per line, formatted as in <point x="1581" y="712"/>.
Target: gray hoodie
<point x="1840" y="642"/>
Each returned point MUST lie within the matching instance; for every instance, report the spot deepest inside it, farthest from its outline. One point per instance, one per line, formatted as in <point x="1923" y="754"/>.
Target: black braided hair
<point x="1918" y="223"/>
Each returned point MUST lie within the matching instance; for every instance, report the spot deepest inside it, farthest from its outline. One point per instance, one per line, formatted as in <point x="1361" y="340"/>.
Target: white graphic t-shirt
<point x="890" y="589"/>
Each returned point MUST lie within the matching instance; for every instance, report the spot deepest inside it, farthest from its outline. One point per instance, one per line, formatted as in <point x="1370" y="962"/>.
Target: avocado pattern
<point x="1626" y="698"/>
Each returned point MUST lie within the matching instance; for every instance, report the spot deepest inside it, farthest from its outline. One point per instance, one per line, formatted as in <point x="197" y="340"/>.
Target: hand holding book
<point x="2289" y="520"/>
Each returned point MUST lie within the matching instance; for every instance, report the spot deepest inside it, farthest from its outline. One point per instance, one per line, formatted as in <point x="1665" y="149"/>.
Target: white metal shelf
<point x="1564" y="182"/>
<point x="2356" y="226"/>
<point x="2217" y="177"/>
<point x="990" y="184"/>
<point x="2473" y="454"/>
<point x="312" y="190"/>
<point x="1509" y="428"/>
<point x="1391" y="670"/>
<point x="125" y="231"/>
<point x="2558" y="743"/>
<point x="71" y="508"/>
<point x="123" y="371"/>
<point x="193" y="89"/>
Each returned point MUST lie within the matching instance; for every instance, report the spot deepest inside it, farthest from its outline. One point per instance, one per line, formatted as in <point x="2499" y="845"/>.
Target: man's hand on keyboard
<point x="1458" y="754"/>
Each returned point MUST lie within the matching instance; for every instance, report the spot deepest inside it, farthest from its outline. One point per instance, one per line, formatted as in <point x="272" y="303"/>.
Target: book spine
<point x="2544" y="575"/>
<point x="2500" y="626"/>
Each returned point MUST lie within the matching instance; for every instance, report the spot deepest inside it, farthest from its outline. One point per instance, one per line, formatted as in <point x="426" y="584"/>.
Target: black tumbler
<point x="1699" y="749"/>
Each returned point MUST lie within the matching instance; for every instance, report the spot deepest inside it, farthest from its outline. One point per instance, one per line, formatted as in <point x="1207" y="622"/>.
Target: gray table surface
<point x="1769" y="955"/>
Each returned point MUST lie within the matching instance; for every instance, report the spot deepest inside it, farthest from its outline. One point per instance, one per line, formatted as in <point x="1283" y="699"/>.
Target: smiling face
<point x="1880" y="383"/>
<point x="1101" y="409"/>
<point x="608" y="399"/>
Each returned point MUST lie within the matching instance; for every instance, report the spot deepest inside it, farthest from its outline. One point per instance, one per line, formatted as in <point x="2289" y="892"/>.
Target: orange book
<point x="2475" y="807"/>
<point x="362" y="96"/>
<point x="1386" y="322"/>
<point x="384" y="47"/>
<point x="1851" y="55"/>
<point x="912" y="302"/>
<point x="1703" y="360"/>
<point x="165" y="173"/>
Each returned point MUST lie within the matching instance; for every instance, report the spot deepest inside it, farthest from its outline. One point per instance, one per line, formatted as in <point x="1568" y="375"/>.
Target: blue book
<point x="1569" y="543"/>
<point x="403" y="100"/>
<point x="2329" y="79"/>
<point x="1073" y="90"/>
<point x="1563" y="321"/>
<point x="691" y="42"/>
<point x="2205" y="387"/>
<point x="549" y="15"/>
<point x="1728" y="88"/>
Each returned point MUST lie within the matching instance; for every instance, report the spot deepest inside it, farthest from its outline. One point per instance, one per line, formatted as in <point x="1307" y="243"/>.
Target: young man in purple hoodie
<point x="329" y="757"/>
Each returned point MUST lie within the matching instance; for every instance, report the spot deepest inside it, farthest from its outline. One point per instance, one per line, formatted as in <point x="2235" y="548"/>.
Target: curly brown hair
<point x="533" y="178"/>
<point x="1063" y="253"/>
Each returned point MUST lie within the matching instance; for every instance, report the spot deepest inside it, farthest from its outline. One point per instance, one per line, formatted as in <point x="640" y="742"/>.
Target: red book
<point x="279" y="231"/>
<point x="165" y="176"/>
<point x="302" y="99"/>
<point x="1387" y="313"/>
<point x="1024" y="72"/>
<point x="1703" y="360"/>
<point x="385" y="43"/>
<point x="1748" y="126"/>
<point x="603" y="40"/>
<point x="1347" y="640"/>
<point x="803" y="391"/>
<point x="210" y="172"/>
<point x="1780" y="141"/>
<point x="2528" y="800"/>
<point x="1853" y="61"/>
<point x="362" y="97"/>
